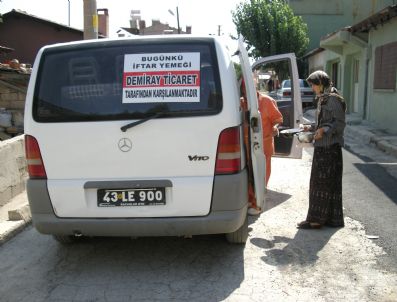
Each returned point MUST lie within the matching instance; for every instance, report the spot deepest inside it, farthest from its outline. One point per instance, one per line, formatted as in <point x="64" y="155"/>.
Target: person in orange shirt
<point x="271" y="118"/>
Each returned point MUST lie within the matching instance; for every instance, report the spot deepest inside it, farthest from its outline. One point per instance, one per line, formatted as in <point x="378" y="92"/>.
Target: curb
<point x="385" y="146"/>
<point x="367" y="137"/>
<point x="21" y="213"/>
<point x="362" y="135"/>
<point x="15" y="216"/>
<point x="8" y="229"/>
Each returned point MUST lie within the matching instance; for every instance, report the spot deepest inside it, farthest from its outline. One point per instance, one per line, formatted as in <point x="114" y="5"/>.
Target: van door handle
<point x="255" y="146"/>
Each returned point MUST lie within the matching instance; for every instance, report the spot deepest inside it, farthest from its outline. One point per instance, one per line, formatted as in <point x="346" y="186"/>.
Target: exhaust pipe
<point x="77" y="234"/>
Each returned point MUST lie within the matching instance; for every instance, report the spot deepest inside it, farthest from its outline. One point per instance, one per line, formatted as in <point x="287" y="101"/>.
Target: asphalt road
<point x="370" y="196"/>
<point x="278" y="263"/>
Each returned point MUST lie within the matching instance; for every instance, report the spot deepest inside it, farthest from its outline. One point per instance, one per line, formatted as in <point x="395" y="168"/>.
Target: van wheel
<point x="240" y="235"/>
<point x="65" y="239"/>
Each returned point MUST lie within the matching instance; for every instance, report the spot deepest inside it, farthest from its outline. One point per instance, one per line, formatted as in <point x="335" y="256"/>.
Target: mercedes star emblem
<point x="125" y="144"/>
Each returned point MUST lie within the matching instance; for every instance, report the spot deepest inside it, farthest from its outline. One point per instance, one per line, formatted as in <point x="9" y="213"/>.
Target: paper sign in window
<point x="161" y="78"/>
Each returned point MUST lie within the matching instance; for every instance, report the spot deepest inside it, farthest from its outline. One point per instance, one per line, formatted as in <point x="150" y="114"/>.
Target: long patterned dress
<point x="325" y="192"/>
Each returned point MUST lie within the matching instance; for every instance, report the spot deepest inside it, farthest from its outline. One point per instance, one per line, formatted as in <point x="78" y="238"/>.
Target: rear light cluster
<point x="287" y="93"/>
<point x="228" y="159"/>
<point x="33" y="157"/>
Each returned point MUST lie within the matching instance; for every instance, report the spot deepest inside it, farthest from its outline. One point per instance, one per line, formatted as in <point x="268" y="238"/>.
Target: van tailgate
<point x="94" y="154"/>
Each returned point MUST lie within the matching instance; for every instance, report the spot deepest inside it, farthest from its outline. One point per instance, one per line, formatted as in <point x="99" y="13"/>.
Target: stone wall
<point x="11" y="99"/>
<point x="13" y="169"/>
<point x="13" y="102"/>
<point x="13" y="86"/>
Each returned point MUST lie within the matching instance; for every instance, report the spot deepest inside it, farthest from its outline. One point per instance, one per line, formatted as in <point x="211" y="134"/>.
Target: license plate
<point x="131" y="197"/>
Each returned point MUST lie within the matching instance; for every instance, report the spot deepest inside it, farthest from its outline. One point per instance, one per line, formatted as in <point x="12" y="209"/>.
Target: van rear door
<point x="129" y="128"/>
<point x="257" y="156"/>
<point x="271" y="72"/>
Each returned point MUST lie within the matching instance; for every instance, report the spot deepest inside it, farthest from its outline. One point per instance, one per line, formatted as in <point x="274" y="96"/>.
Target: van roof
<point x="183" y="37"/>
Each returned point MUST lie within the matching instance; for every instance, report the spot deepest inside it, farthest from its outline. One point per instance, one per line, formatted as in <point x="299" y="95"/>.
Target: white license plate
<point x="131" y="197"/>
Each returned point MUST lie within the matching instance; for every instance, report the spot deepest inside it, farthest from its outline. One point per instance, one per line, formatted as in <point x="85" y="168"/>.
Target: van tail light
<point x="33" y="157"/>
<point x="228" y="159"/>
<point x="287" y="93"/>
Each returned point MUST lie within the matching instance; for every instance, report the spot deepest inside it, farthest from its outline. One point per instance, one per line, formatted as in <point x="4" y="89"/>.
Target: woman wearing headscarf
<point x="325" y="192"/>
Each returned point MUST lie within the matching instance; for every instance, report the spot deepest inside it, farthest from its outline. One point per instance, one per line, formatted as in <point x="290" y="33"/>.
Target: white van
<point x="143" y="137"/>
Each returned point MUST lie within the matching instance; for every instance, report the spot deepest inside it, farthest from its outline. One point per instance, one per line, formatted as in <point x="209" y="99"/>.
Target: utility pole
<point x="90" y="20"/>
<point x="177" y="17"/>
<point x="69" y="13"/>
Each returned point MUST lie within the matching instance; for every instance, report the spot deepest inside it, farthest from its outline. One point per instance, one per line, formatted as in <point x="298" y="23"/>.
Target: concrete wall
<point x="327" y="16"/>
<point x="13" y="170"/>
<point x="316" y="62"/>
<point x="351" y="92"/>
<point x="382" y="102"/>
<point x="330" y="58"/>
<point x="354" y="52"/>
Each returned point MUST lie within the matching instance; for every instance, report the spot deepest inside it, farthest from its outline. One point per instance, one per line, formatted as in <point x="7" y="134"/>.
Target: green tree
<point x="237" y="68"/>
<point x="270" y="27"/>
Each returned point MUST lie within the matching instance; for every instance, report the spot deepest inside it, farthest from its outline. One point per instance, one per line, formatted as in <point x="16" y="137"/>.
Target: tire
<point x="239" y="236"/>
<point x="65" y="239"/>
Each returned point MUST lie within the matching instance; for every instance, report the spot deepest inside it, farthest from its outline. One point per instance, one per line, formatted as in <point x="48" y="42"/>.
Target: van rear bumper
<point x="228" y="212"/>
<point x="216" y="222"/>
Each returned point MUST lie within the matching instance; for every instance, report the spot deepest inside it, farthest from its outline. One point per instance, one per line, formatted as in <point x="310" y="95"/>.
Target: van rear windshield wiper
<point x="133" y="124"/>
<point x="179" y="113"/>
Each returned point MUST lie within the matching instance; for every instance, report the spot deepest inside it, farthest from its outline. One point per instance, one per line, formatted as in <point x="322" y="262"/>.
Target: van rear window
<point x="127" y="80"/>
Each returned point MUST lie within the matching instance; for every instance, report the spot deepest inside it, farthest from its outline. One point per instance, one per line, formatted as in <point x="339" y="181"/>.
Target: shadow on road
<point x="377" y="174"/>
<point x="300" y="250"/>
<point x="204" y="268"/>
<point x="274" y="198"/>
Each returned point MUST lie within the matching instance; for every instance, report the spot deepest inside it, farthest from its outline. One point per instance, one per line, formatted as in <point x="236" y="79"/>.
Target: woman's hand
<point x="305" y="128"/>
<point x="319" y="134"/>
<point x="275" y="131"/>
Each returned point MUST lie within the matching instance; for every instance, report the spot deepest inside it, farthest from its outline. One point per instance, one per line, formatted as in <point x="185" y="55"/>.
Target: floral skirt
<point x="325" y="193"/>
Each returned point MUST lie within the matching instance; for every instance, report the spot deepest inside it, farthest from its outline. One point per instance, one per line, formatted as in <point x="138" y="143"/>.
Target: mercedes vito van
<point x="143" y="137"/>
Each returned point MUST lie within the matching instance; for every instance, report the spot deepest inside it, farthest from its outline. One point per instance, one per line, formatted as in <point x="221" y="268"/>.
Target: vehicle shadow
<point x="203" y="268"/>
<point x="273" y="199"/>
<point x="301" y="250"/>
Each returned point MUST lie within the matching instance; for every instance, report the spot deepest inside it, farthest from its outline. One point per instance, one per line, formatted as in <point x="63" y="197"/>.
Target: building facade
<point x="139" y="27"/>
<point x="362" y="61"/>
<point x="326" y="16"/>
<point x="26" y="34"/>
<point x="354" y="41"/>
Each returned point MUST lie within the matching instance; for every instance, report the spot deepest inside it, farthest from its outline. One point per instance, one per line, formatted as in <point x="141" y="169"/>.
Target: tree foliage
<point x="237" y="68"/>
<point x="270" y="27"/>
